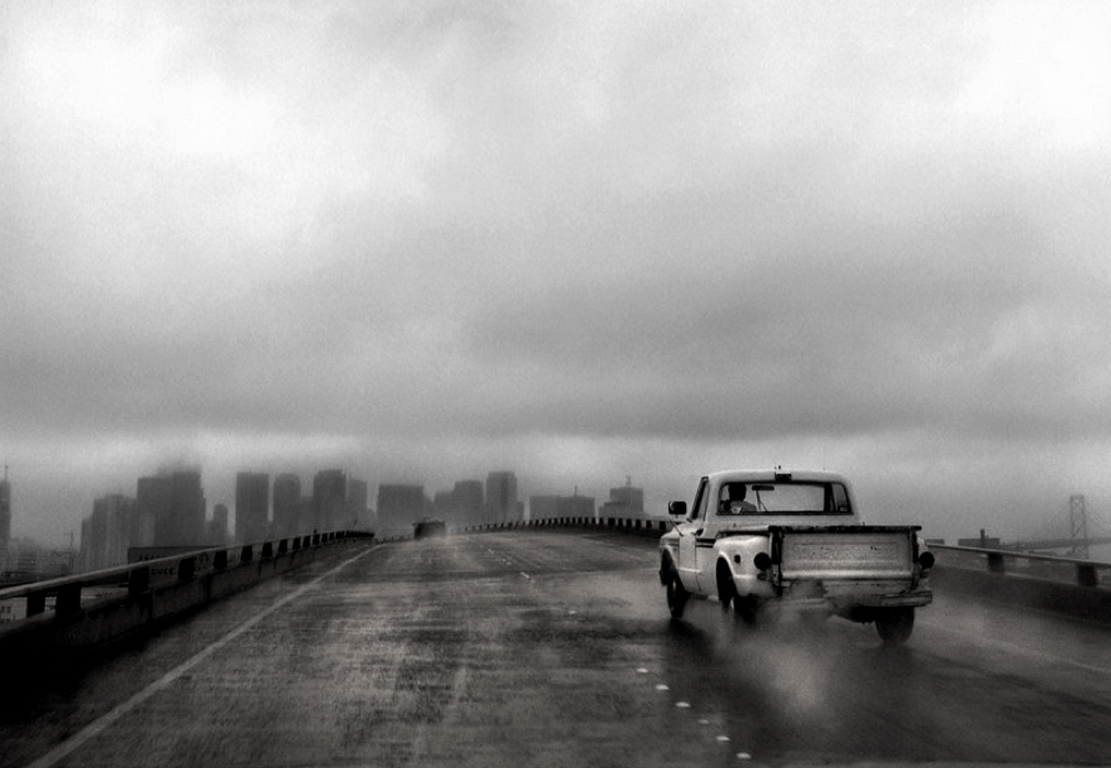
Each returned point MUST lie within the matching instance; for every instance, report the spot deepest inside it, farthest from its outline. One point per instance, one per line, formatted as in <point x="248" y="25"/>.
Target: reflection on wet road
<point x="554" y="649"/>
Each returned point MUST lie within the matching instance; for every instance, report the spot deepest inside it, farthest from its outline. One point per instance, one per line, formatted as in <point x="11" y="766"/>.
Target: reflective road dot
<point x="683" y="705"/>
<point x="744" y="756"/>
<point x="723" y="738"/>
<point x="662" y="687"/>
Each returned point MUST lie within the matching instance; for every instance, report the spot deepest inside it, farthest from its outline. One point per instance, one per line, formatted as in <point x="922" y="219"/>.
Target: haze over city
<point x="425" y="241"/>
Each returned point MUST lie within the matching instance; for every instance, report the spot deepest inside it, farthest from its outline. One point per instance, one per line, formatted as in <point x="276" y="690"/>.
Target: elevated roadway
<point x="548" y="649"/>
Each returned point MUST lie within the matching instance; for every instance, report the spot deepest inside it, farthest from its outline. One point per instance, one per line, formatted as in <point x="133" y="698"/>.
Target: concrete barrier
<point x="68" y="617"/>
<point x="1060" y="585"/>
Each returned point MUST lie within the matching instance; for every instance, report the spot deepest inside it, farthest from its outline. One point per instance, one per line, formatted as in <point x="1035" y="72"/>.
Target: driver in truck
<point x="734" y="502"/>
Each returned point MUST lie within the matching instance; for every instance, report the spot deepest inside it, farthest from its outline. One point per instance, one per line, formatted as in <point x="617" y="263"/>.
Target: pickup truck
<point x="754" y="538"/>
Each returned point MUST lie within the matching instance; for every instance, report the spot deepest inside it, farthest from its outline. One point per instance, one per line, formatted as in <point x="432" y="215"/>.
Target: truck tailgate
<point x="845" y="552"/>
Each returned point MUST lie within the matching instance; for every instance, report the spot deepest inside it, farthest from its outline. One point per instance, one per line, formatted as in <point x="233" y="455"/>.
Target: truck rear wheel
<point x="677" y="595"/>
<point x="727" y="592"/>
<point x="895" y="625"/>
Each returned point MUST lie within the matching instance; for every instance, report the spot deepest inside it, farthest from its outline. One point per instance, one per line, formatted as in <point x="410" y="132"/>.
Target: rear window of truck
<point x="783" y="498"/>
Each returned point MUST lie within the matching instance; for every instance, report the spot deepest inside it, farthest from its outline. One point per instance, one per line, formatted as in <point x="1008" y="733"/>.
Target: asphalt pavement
<point x="544" y="648"/>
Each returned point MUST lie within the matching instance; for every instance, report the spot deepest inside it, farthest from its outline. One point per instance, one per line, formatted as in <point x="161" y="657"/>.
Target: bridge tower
<point x="1078" y="526"/>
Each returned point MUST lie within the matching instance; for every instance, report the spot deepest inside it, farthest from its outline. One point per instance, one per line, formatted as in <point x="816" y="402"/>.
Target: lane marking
<point x="95" y="728"/>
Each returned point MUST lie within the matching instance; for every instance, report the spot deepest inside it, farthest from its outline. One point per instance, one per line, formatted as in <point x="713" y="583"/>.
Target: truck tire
<point x="895" y="625"/>
<point x="677" y="595"/>
<point x="727" y="591"/>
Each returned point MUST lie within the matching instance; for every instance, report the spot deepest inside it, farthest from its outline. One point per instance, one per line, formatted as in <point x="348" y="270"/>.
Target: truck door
<point x="690" y="530"/>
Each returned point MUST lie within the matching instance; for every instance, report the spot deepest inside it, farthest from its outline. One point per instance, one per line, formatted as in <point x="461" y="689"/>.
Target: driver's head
<point x="736" y="491"/>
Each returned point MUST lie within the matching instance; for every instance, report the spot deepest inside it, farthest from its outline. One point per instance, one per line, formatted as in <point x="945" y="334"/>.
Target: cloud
<point x="627" y="234"/>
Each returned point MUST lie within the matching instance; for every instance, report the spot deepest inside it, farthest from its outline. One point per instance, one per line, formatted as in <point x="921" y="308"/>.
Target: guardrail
<point x="1041" y="582"/>
<point x="634" y="525"/>
<point x="70" y="615"/>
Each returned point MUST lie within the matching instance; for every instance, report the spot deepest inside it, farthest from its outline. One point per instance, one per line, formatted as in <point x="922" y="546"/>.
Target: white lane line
<point x="93" y="729"/>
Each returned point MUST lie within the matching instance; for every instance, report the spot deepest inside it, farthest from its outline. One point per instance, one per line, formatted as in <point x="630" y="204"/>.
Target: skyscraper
<point x="171" y="507"/>
<point x="252" y="507"/>
<point x="152" y="504"/>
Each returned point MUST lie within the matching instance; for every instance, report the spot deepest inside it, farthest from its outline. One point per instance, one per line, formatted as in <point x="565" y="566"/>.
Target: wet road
<point x="554" y="649"/>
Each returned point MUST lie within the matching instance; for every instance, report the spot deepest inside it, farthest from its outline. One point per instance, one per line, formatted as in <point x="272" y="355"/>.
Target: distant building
<point x="543" y="507"/>
<point x="252" y="507"/>
<point x="501" y="498"/>
<point x="576" y="506"/>
<point x="626" y="501"/>
<point x="170" y="510"/>
<point x="461" y="506"/>
<point x="152" y="503"/>
<point x="399" y="506"/>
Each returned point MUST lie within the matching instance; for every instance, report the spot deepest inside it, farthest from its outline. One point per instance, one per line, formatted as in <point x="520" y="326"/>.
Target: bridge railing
<point x="1028" y="565"/>
<point x="91" y="609"/>
<point x="635" y="525"/>
<point x="1079" y="588"/>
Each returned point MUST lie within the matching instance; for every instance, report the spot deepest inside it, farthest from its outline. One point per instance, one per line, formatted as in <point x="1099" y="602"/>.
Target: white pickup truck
<point x="754" y="537"/>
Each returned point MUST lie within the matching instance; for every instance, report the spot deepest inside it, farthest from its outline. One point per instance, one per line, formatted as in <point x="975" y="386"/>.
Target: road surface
<point x="555" y="649"/>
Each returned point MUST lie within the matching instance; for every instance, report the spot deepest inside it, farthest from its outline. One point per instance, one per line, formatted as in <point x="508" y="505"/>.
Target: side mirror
<point x="677" y="508"/>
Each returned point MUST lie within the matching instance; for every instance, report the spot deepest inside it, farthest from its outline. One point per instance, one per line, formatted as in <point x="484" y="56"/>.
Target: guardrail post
<point x="247" y="554"/>
<point x="1086" y="575"/>
<point x="68" y="601"/>
<point x="267" y="551"/>
<point x="186" y="569"/>
<point x="995" y="563"/>
<point x="138" y="581"/>
<point x="36" y="603"/>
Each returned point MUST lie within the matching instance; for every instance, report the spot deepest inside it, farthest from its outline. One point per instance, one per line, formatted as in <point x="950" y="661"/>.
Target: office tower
<point x="626" y="501"/>
<point x="152" y="504"/>
<point x="172" y="508"/>
<point x="252" y="507"/>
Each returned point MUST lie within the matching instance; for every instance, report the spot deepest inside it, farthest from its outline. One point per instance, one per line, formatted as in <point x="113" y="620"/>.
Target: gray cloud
<point x="434" y="238"/>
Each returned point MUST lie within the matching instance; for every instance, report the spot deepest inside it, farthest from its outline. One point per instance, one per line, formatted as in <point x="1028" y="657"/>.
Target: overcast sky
<point x="426" y="240"/>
